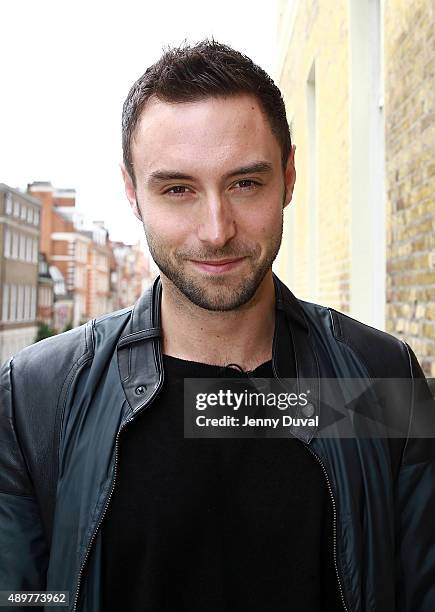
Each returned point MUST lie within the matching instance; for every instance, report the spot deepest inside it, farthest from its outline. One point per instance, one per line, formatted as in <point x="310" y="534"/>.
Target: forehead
<point x="214" y="132"/>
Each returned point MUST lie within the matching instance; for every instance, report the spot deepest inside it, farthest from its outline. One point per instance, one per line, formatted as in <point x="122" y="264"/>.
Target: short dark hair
<point x="207" y="69"/>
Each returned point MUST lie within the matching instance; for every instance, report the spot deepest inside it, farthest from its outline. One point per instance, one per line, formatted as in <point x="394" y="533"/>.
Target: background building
<point x="19" y="238"/>
<point x="134" y="272"/>
<point x="98" y="294"/>
<point x="63" y="247"/>
<point x="358" y="81"/>
<point x="77" y="252"/>
<point x="45" y="313"/>
<point x="92" y="275"/>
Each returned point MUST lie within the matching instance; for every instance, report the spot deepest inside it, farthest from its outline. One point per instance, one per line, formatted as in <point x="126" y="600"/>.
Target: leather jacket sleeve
<point x="23" y="548"/>
<point x="415" y="525"/>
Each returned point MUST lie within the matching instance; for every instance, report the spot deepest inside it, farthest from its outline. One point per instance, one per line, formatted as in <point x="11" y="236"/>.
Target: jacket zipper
<point x="334" y="531"/>
<point x="115" y="468"/>
<point x="334" y="508"/>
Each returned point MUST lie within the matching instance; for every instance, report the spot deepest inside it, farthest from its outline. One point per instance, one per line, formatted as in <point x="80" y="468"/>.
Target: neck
<point x="243" y="336"/>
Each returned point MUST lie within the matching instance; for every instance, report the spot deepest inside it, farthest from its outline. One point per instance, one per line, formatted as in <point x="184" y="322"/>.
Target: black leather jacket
<point x="64" y="400"/>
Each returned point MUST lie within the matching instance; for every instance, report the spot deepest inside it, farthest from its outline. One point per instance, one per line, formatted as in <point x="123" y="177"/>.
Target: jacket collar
<point x="140" y="360"/>
<point x="293" y="356"/>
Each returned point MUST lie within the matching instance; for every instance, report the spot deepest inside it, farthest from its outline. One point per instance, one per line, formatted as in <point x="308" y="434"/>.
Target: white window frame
<point x="28" y="248"/>
<point x="33" y="304"/>
<point x="27" y="302"/>
<point x="35" y="250"/>
<point x="20" y="303"/>
<point x="9" y="207"/>
<point x="15" y="245"/>
<point x="13" y="304"/>
<point x="22" y="252"/>
<point x="7" y="244"/>
<point x="5" y="302"/>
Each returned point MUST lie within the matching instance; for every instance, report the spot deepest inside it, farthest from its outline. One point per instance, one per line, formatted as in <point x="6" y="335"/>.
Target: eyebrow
<point x="160" y="176"/>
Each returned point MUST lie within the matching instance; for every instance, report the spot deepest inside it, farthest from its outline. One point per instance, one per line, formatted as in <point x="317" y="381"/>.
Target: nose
<point x="217" y="224"/>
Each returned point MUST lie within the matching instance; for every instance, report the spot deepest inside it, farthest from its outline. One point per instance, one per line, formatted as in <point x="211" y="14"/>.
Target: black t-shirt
<point x="215" y="525"/>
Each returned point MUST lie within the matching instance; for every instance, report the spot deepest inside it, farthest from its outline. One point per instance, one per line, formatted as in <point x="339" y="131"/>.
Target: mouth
<point x="218" y="266"/>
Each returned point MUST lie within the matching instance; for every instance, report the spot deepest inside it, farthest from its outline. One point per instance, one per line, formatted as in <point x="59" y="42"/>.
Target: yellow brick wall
<point x="410" y="175"/>
<point x="320" y="30"/>
<point x="319" y="33"/>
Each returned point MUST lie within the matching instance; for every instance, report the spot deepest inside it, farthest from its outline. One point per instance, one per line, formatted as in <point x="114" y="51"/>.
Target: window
<point x="47" y="297"/>
<point x="23" y="212"/>
<point x="5" y="303"/>
<point x="35" y="250"/>
<point x="27" y="305"/>
<point x="7" y="245"/>
<point x="28" y="248"/>
<point x="8" y="198"/>
<point x="16" y="208"/>
<point x="81" y="252"/>
<point x="15" y="238"/>
<point x="367" y="237"/>
<point x="33" y="304"/>
<point x="30" y="215"/>
<point x="20" y="303"/>
<point x="13" y="310"/>
<point x="36" y="217"/>
<point x="79" y="277"/>
<point x="22" y="247"/>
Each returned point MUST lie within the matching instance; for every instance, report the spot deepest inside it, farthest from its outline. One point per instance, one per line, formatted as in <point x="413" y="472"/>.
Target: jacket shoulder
<point x="51" y="355"/>
<point x="384" y="355"/>
<point x="38" y="380"/>
<point x="58" y="353"/>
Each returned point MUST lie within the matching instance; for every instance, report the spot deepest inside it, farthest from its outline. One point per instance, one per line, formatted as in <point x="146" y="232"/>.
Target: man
<point x="101" y="493"/>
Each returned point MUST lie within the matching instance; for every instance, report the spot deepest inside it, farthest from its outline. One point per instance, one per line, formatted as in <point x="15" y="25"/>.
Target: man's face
<point x="210" y="190"/>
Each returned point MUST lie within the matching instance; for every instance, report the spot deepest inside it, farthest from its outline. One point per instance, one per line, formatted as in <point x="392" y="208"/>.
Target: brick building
<point x="19" y="238"/>
<point x="76" y="251"/>
<point x="134" y="272"/>
<point x="45" y="312"/>
<point x="357" y="78"/>
<point x="99" y="293"/>
<point x="62" y="247"/>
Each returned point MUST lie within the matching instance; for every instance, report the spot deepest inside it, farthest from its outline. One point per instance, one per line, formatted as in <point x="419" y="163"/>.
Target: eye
<point x="177" y="190"/>
<point x="247" y="184"/>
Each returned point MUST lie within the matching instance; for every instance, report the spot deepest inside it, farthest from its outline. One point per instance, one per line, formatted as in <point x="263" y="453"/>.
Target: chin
<point x="224" y="298"/>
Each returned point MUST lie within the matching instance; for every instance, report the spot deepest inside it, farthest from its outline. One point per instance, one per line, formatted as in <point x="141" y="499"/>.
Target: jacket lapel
<point x="139" y="349"/>
<point x="293" y="356"/>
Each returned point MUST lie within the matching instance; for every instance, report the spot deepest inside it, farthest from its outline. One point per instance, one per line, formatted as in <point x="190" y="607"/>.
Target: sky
<point x="66" y="68"/>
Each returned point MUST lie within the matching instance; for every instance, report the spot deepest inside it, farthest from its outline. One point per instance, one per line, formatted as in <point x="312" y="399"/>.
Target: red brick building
<point x="79" y="252"/>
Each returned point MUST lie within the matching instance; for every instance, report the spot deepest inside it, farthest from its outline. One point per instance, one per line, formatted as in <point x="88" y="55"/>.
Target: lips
<point x="223" y="265"/>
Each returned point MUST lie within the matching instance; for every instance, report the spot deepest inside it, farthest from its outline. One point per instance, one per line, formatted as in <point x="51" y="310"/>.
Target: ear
<point x="130" y="191"/>
<point x="290" y="176"/>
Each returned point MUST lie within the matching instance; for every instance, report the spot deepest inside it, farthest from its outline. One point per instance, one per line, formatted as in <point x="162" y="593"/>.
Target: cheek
<point x="167" y="229"/>
<point x="263" y="222"/>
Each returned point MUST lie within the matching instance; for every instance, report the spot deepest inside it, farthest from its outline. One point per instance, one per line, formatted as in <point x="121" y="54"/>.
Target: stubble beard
<point x="220" y="293"/>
